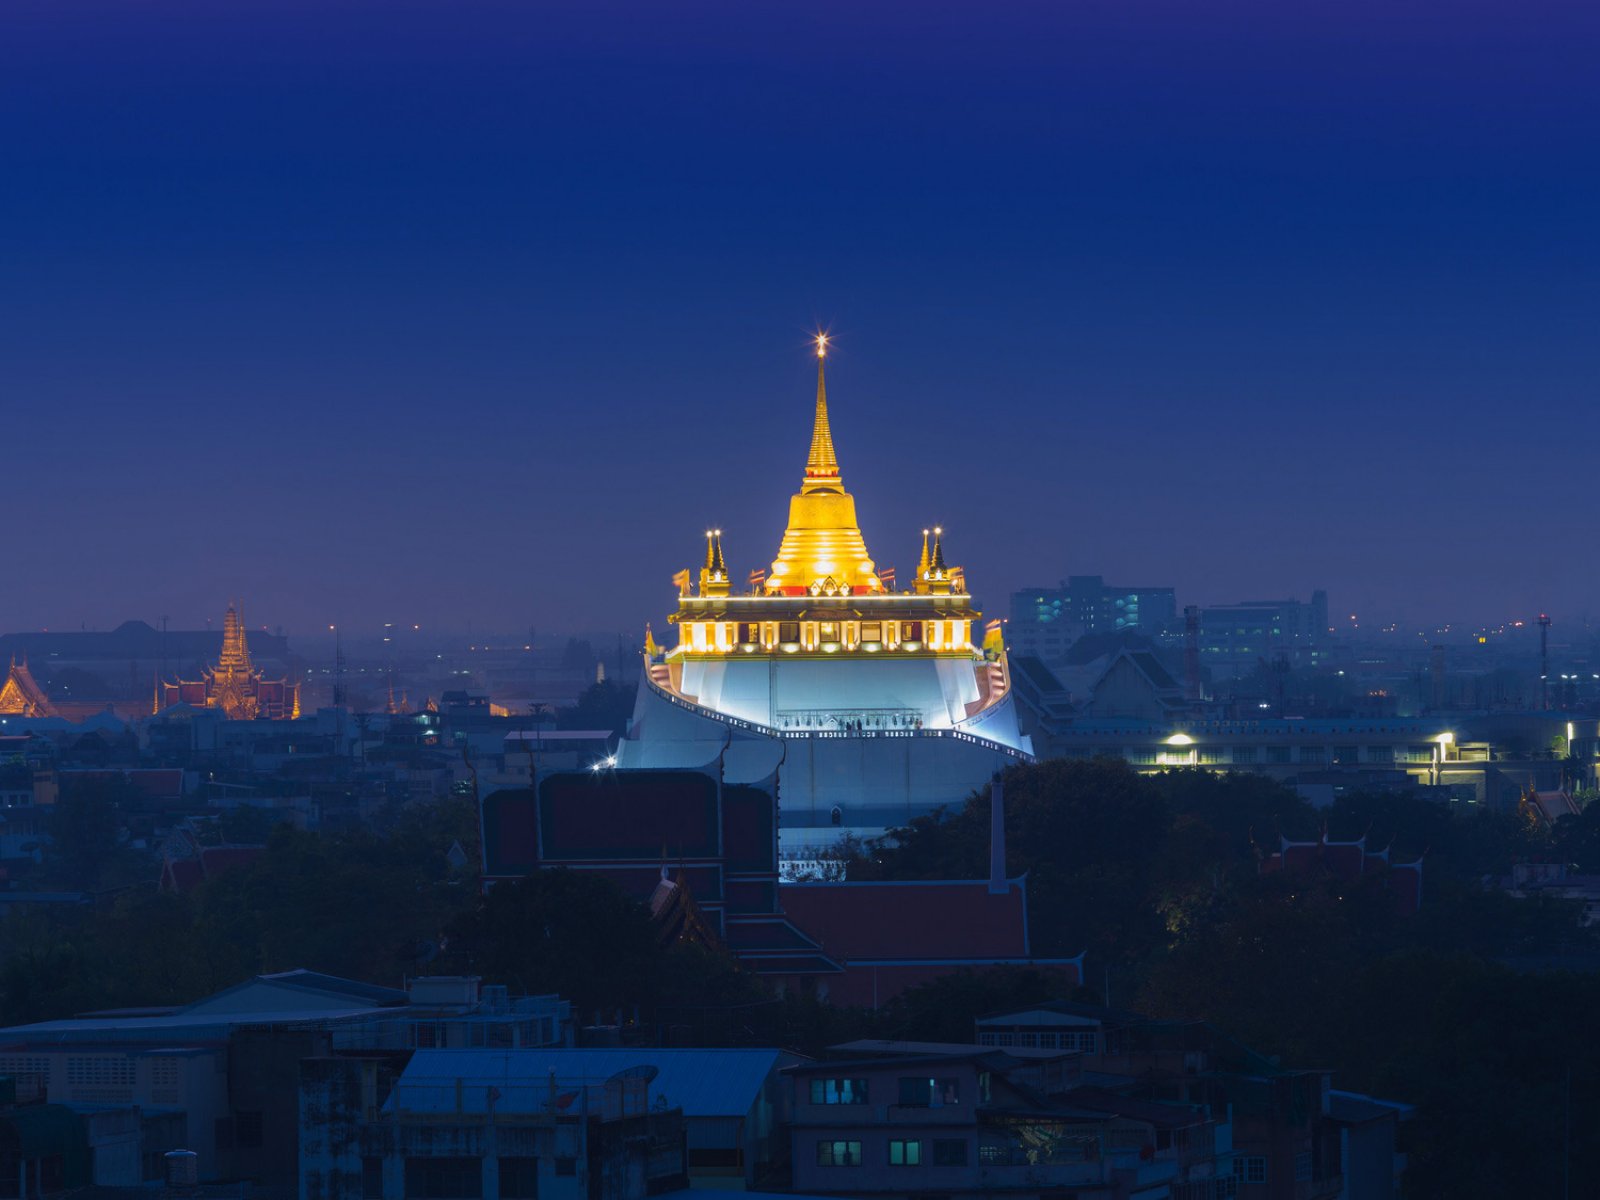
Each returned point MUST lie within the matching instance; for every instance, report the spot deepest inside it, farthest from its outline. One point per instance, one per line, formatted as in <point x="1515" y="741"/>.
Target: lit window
<point x="838" y="1091"/>
<point x="905" y="1154"/>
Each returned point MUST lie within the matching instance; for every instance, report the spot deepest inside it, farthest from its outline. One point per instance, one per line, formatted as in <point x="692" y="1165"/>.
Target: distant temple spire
<point x="235" y="657"/>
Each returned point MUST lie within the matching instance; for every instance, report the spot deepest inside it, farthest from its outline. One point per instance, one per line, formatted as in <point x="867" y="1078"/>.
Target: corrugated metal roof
<point x="704" y="1083"/>
<point x="186" y="1025"/>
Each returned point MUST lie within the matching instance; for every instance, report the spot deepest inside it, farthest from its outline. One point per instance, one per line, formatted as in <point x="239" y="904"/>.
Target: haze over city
<point x="648" y="601"/>
<point x="479" y="321"/>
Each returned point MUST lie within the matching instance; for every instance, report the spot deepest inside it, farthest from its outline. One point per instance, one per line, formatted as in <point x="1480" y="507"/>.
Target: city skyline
<point x="486" y="326"/>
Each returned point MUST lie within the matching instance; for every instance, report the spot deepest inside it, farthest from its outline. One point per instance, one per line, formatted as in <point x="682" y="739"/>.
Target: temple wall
<point x="876" y="780"/>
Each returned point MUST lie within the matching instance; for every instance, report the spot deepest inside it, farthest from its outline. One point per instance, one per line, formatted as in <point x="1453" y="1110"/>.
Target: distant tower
<point x="1191" y="652"/>
<point x="1544" y="660"/>
<point x="338" y="669"/>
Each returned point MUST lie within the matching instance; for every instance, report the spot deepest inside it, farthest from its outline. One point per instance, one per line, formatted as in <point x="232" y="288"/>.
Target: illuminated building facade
<point x="872" y="698"/>
<point x="233" y="684"/>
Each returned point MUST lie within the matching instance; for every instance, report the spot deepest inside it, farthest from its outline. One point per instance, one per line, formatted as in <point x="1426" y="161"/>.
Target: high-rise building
<point x="1045" y="622"/>
<point x="870" y="700"/>
<point x="1235" y="638"/>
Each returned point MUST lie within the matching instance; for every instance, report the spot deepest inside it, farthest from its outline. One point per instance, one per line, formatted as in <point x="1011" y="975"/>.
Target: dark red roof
<point x="183" y="874"/>
<point x="911" y="920"/>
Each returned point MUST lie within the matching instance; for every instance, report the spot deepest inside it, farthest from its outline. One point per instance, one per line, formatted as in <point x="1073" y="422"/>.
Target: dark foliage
<point x="1157" y="878"/>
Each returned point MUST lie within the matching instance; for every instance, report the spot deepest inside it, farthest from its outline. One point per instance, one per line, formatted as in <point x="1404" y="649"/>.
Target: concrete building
<point x="219" y="1074"/>
<point x="1236" y="638"/>
<point x="970" y="1122"/>
<point x="477" y="1124"/>
<point x="1292" y="1137"/>
<point x="734" y="1102"/>
<point x="1045" y="622"/>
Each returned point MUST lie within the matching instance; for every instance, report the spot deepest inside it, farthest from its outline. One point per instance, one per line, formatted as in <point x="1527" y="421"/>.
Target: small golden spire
<point x="938" y="576"/>
<point x="714" y="579"/>
<point x="924" y="563"/>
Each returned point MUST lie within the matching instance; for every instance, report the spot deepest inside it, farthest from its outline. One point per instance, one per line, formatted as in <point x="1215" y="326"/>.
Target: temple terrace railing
<point x="741" y="723"/>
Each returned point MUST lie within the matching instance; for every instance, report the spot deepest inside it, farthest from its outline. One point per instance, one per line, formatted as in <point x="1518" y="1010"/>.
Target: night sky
<point x="369" y="312"/>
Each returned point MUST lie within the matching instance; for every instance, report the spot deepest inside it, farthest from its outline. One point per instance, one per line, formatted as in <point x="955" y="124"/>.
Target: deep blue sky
<point x="401" y="311"/>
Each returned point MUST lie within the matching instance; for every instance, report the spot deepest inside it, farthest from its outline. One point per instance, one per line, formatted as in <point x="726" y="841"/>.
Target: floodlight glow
<point x="1180" y="739"/>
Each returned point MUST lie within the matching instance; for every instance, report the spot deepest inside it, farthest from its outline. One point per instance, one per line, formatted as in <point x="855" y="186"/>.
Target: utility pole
<point x="338" y="692"/>
<point x="1544" y="661"/>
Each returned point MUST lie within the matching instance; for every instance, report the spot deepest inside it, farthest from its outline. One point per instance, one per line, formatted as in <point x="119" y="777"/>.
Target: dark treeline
<point x="1477" y="1010"/>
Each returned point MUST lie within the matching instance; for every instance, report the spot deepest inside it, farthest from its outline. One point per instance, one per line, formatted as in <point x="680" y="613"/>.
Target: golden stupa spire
<point x="822" y="464"/>
<point x="924" y="563"/>
<point x="822" y="552"/>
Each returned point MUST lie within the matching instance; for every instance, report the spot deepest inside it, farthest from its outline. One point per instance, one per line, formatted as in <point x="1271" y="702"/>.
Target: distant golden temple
<point x="21" y="695"/>
<point x="233" y="685"/>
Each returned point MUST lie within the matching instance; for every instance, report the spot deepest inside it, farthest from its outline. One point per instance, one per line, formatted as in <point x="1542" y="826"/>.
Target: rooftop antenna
<point x="1191" y="653"/>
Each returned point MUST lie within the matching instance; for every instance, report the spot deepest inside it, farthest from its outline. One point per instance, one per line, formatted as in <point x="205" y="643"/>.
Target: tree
<point x="604" y="705"/>
<point x="86" y="831"/>
<point x="562" y="931"/>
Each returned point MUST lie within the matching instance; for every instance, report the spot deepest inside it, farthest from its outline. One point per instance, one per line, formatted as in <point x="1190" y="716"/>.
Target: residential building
<point x="970" y="1122"/>
<point x="478" y="1124"/>
<point x="734" y="1102"/>
<point x="1293" y="1137"/>
<point x="220" y="1072"/>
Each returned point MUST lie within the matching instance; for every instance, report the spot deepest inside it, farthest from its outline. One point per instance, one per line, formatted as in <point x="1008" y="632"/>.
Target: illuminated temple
<point x="234" y="684"/>
<point x="871" y="702"/>
<point x="21" y="695"/>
